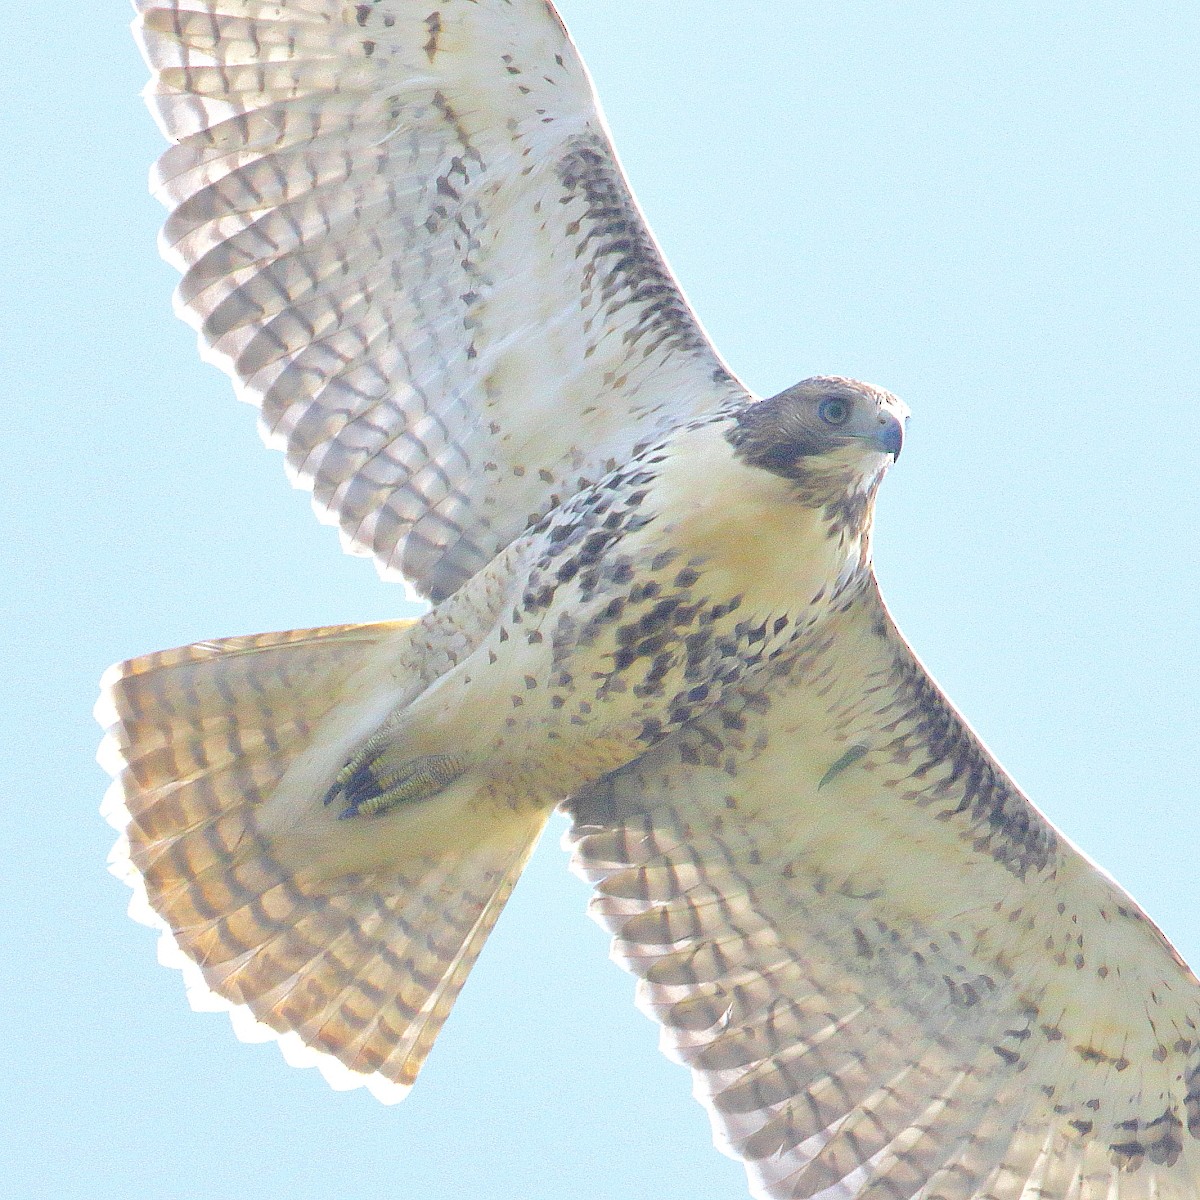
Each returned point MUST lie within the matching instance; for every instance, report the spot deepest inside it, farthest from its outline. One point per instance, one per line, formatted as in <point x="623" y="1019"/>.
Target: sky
<point x="990" y="210"/>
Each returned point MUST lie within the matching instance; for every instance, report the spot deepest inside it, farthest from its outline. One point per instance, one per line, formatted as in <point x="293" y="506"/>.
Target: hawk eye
<point x="834" y="411"/>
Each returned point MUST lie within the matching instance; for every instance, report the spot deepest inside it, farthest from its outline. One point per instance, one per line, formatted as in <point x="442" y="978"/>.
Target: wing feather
<point x="404" y="233"/>
<point x="889" y="974"/>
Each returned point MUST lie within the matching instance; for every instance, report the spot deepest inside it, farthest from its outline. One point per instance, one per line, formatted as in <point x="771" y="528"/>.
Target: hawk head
<point x="822" y="427"/>
<point x="832" y="439"/>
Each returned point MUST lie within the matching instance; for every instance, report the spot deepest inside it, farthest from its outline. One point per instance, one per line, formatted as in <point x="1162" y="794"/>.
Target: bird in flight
<point x="404" y="234"/>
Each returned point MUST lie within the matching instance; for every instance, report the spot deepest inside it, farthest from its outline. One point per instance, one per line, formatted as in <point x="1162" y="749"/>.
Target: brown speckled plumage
<point x="404" y="233"/>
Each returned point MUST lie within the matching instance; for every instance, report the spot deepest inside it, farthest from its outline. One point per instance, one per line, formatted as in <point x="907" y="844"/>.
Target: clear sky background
<point x="989" y="209"/>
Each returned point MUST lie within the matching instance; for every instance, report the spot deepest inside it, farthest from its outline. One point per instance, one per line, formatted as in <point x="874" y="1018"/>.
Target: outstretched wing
<point x="890" y="975"/>
<point x="405" y="235"/>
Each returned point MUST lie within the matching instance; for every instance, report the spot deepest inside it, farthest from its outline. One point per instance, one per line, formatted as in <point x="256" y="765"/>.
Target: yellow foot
<point x="377" y="780"/>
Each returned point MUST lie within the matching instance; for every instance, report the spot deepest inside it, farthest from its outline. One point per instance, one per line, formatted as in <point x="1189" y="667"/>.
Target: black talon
<point x="374" y="787"/>
<point x="359" y="788"/>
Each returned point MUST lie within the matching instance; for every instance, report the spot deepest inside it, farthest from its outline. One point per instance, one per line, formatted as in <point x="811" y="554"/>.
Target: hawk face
<point x="823" y="429"/>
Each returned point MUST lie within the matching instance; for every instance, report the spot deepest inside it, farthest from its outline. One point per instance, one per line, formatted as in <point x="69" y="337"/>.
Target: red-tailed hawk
<point x="404" y="234"/>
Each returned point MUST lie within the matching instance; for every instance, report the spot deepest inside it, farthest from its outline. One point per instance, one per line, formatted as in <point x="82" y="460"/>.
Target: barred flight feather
<point x="412" y="247"/>
<point x="881" y="993"/>
<point x="353" y="973"/>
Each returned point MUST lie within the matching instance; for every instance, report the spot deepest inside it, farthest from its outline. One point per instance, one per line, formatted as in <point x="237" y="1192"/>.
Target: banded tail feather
<point x="272" y="908"/>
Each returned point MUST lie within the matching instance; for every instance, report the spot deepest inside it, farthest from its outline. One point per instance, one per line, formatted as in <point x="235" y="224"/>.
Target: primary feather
<point x="404" y="233"/>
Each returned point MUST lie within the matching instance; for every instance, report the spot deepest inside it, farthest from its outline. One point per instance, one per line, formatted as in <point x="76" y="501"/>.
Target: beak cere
<point x="889" y="438"/>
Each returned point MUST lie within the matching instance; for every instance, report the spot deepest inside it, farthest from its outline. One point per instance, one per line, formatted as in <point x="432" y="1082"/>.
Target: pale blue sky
<point x="988" y="209"/>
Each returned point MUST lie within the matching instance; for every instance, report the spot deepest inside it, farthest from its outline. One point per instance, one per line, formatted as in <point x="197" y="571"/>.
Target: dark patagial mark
<point x="1000" y="820"/>
<point x="631" y="269"/>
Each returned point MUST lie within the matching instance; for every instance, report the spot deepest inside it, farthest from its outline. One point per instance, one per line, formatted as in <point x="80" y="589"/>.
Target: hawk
<point x="405" y="235"/>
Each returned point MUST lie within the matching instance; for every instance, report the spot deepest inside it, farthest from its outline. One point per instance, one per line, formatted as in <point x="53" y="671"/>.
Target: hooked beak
<point x="889" y="437"/>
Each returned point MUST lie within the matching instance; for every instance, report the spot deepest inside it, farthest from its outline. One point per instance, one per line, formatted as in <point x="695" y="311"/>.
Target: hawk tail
<point x="350" y="959"/>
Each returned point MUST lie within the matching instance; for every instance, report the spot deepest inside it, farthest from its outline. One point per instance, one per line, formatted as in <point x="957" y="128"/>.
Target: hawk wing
<point x="890" y="975"/>
<point x="405" y="235"/>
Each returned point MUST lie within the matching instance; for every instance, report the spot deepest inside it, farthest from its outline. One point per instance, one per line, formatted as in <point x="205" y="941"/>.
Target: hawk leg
<point x="379" y="779"/>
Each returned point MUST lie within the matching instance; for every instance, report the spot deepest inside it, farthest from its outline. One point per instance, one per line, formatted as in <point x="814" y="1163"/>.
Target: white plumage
<point x="404" y="234"/>
<point x="376" y="244"/>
